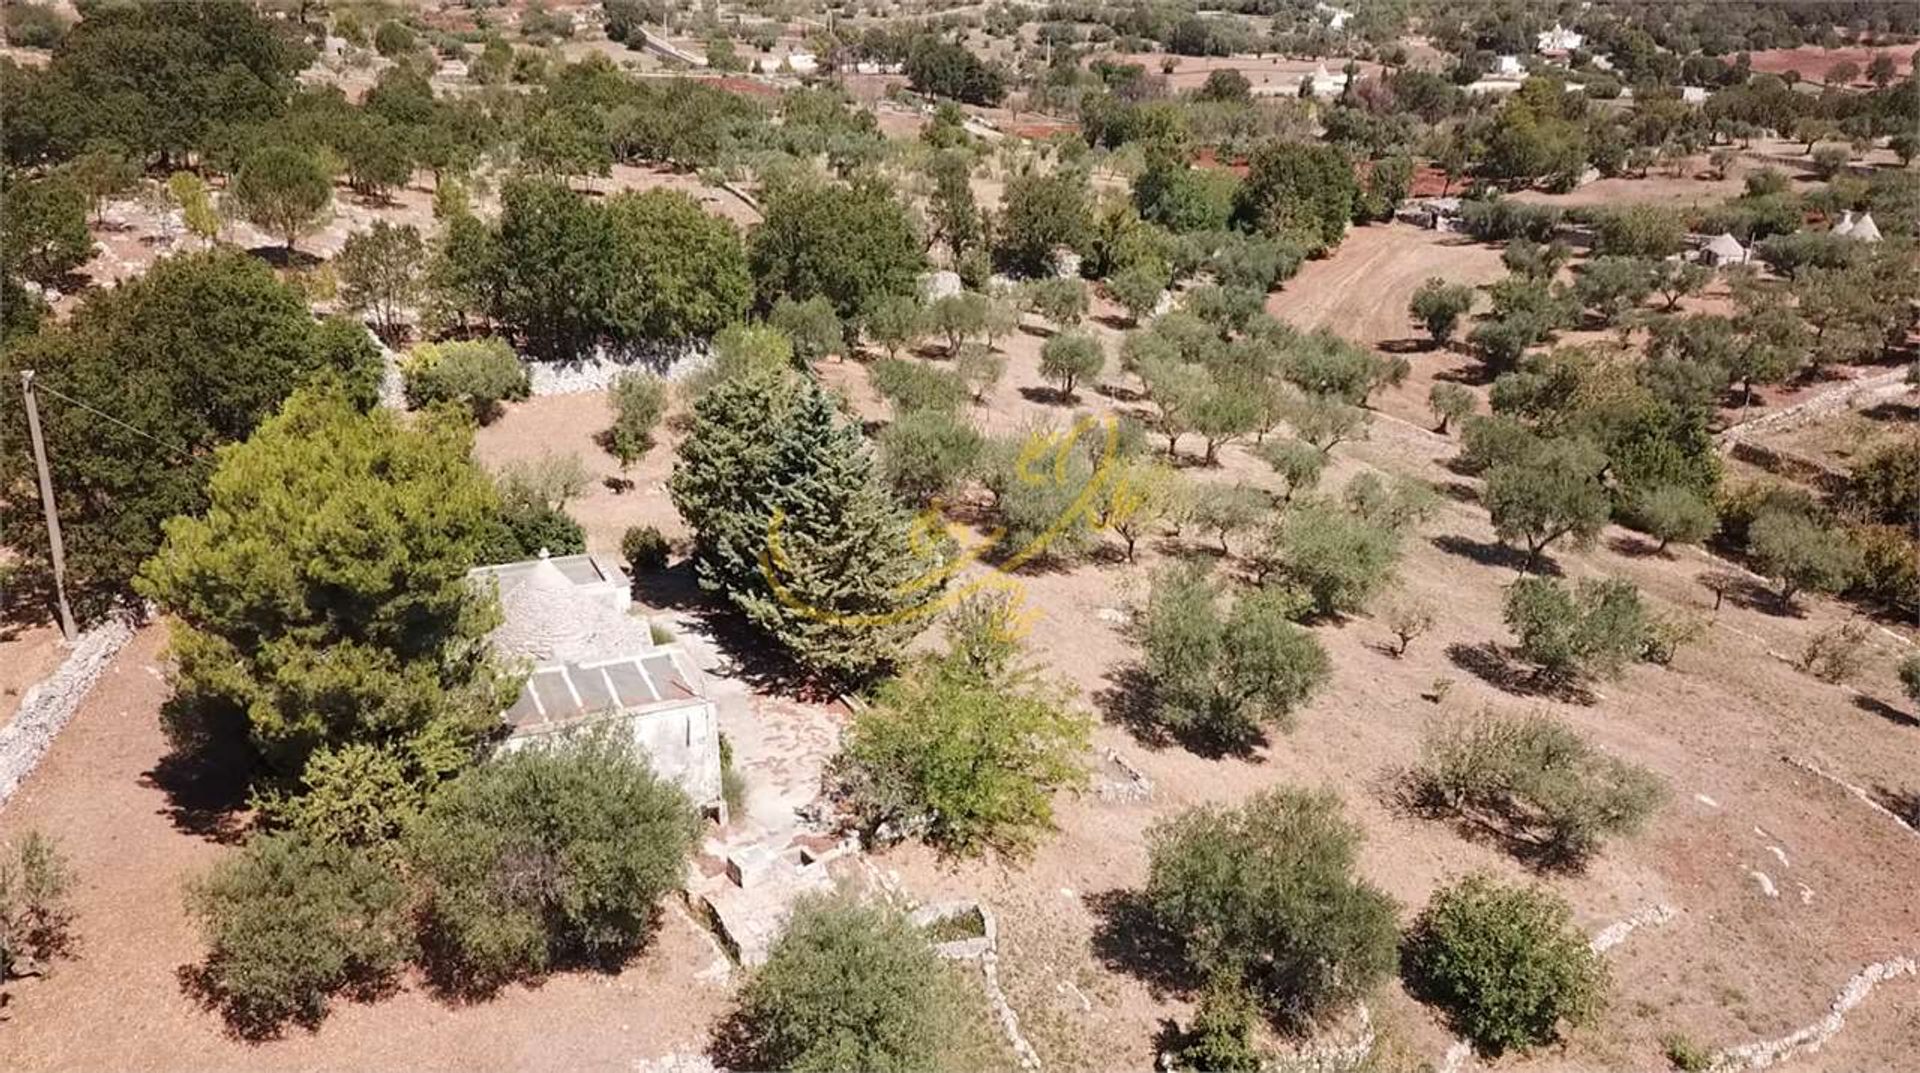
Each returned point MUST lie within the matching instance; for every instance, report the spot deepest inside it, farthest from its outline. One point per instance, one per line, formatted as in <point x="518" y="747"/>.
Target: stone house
<point x="592" y="663"/>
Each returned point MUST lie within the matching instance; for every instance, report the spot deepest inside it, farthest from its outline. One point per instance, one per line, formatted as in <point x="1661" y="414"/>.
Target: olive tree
<point x="1070" y="357"/>
<point x="1219" y="677"/>
<point x="1267" y="891"/>
<point x="1594" y="628"/>
<point x="1507" y="963"/>
<point x="847" y="986"/>
<point x="1438" y="306"/>
<point x="1800" y="553"/>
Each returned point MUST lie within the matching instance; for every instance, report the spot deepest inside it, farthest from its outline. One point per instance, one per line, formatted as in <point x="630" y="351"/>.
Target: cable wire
<point x="182" y="452"/>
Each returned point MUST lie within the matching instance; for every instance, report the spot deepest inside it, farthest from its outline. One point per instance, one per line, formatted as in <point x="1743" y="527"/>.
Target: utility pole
<point x="47" y="505"/>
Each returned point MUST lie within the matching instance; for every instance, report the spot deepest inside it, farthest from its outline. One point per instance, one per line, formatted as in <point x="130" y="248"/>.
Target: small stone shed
<point x="592" y="662"/>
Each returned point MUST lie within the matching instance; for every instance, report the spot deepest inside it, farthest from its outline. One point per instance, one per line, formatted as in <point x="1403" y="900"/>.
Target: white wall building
<point x="593" y="664"/>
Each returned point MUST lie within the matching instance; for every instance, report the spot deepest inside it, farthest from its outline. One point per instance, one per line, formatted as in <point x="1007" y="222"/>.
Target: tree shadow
<point x="734" y="1044"/>
<point x="1902" y="803"/>
<point x="282" y="258"/>
<point x="1491" y="664"/>
<point x="1405" y="346"/>
<point x="1119" y="393"/>
<point x="1635" y="547"/>
<point x="1876" y="706"/>
<point x="1129" y="938"/>
<point x="206" y="786"/>
<point x="250" y="1024"/>
<point x="1047" y="396"/>
<point x="1493" y="553"/>
<point x="1118" y="322"/>
<point x="1128" y="702"/>
<point x="1459" y="491"/>
<point x="1892" y="411"/>
<point x="1477" y="374"/>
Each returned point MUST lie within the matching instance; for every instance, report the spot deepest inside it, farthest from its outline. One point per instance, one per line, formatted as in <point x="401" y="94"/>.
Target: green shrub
<point x="1267" y="891"/>
<point x="1800" y="553"/>
<point x="1070" y="357"/>
<point x="1595" y="628"/>
<point x="926" y="453"/>
<point x="34" y="915"/>
<point x="1910" y="677"/>
<point x="639" y="399"/>
<point x="1220" y="677"/>
<point x="910" y="385"/>
<point x="644" y="548"/>
<point x="479" y="374"/>
<point x="1037" y="483"/>
<point x="847" y="986"/>
<point x="550" y="855"/>
<point x="1686" y="1055"/>
<point x="975" y="758"/>
<point x="1220" y="1040"/>
<point x="1671" y="512"/>
<point x="1339" y="558"/>
<point x="289" y="923"/>
<point x="1536" y="782"/>
<point x="1506" y="962"/>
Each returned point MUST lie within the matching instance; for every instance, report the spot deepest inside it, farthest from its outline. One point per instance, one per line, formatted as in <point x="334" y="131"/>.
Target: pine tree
<point x="838" y="570"/>
<point x="792" y="526"/>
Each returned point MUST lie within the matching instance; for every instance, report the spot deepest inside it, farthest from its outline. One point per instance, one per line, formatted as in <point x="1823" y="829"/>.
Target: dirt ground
<point x="28" y="653"/>
<point x="1813" y="62"/>
<point x="1190" y="72"/>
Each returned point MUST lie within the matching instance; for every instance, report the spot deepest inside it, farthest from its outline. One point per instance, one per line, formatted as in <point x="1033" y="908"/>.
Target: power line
<point x="142" y="433"/>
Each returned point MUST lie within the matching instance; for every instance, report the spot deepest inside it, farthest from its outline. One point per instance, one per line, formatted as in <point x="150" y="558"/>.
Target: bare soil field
<point x="1698" y="188"/>
<point x="1190" y="72"/>
<point x="1813" y="62"/>
<point x="28" y="653"/>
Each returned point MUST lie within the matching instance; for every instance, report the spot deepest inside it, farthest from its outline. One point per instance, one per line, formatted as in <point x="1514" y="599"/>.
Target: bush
<point x="290" y="922"/>
<point x="1266" y="891"/>
<point x="1686" y="1055"/>
<point x="1596" y="628"/>
<point x="1800" y="553"/>
<point x="526" y="528"/>
<point x="926" y="453"/>
<point x="910" y="385"/>
<point x="1220" y="677"/>
<point x="478" y="374"/>
<point x="1672" y="512"/>
<point x="34" y="914"/>
<point x="1835" y="653"/>
<point x="550" y="855"/>
<point x="1885" y="486"/>
<point x="644" y="548"/>
<point x="974" y="757"/>
<point x="1910" y="677"/>
<point x="1220" y="1040"/>
<point x="1036" y="489"/>
<point x="1507" y="963"/>
<point x="639" y="399"/>
<point x="1438" y="306"/>
<point x="1536" y="782"/>
<point x="847" y="986"/>
<point x="1070" y="357"/>
<point x="1339" y="558"/>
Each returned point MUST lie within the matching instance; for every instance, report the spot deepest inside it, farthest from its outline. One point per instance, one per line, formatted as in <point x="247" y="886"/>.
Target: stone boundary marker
<point x="50" y="702"/>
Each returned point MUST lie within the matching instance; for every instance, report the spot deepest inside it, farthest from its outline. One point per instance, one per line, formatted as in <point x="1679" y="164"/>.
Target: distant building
<point x="592" y="664"/>
<point x="1323" y="83"/>
<point x="1558" y="39"/>
<point x="1433" y="213"/>
<point x="1508" y="66"/>
<point x="1693" y="94"/>
<point x="802" y="63"/>
<point x="1724" y="250"/>
<point x="1336" y="17"/>
<point x="1862" y="229"/>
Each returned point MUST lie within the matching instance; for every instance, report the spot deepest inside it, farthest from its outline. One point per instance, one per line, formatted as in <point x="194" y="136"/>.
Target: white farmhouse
<point x="593" y="664"/>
